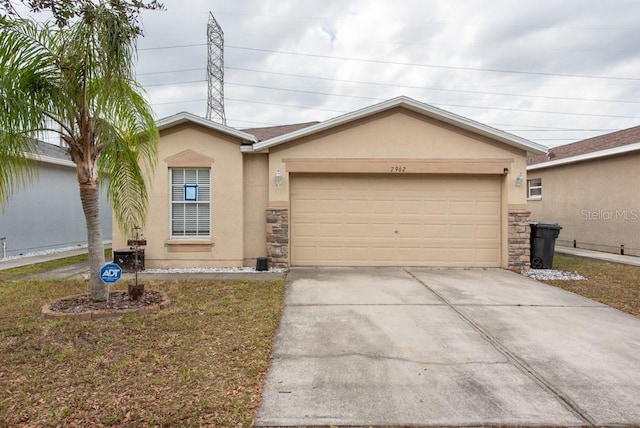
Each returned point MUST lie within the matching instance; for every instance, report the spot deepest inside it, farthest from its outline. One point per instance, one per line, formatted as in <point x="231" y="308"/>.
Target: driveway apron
<point x="399" y="346"/>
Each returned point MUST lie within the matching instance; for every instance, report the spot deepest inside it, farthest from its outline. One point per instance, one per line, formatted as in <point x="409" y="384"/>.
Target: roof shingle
<point x="590" y="145"/>
<point x="275" y="131"/>
<point x="49" y="150"/>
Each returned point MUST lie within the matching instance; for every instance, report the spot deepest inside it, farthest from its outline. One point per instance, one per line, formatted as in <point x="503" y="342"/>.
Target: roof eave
<point x="185" y="117"/>
<point x="50" y="160"/>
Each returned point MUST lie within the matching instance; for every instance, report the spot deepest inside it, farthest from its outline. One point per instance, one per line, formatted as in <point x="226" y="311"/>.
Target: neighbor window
<point x="534" y="188"/>
<point x="190" y="202"/>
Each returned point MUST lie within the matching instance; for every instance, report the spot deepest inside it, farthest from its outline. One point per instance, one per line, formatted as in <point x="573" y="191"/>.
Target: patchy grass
<point x="33" y="269"/>
<point x="613" y="284"/>
<point x="199" y="363"/>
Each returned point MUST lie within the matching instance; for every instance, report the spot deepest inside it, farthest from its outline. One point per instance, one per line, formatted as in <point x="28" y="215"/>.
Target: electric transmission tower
<point x="215" y="71"/>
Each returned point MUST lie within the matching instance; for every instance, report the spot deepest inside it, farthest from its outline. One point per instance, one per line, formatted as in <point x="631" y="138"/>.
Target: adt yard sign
<point x="110" y="272"/>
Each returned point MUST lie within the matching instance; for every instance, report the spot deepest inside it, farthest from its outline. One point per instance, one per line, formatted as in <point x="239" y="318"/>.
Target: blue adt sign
<point x="110" y="273"/>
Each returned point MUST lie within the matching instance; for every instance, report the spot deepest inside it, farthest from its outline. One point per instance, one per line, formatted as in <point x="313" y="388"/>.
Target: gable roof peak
<point x="185" y="117"/>
<point x="413" y="105"/>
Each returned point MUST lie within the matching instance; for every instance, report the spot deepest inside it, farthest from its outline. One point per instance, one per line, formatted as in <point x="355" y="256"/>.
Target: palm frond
<point x="27" y="84"/>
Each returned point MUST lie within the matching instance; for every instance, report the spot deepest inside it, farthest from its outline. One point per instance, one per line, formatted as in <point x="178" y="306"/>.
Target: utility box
<point x="126" y="259"/>
<point x="543" y="244"/>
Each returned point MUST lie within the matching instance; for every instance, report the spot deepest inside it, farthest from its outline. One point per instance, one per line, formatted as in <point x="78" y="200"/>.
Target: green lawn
<point x="200" y="362"/>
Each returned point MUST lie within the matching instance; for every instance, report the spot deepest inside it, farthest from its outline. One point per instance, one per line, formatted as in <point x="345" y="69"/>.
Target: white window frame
<point x="534" y="185"/>
<point x="203" y="199"/>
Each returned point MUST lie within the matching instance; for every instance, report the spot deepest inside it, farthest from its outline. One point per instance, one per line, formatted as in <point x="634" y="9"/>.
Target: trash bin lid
<point x="552" y="226"/>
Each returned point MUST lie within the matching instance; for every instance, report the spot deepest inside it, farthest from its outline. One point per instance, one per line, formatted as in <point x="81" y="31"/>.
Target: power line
<point x="433" y="103"/>
<point x="448" y="67"/>
<point x="175" y="83"/>
<point x="285" y="105"/>
<point x="172" y="71"/>
<point x="375" y="61"/>
<point x="430" y="88"/>
<point x="157" y="48"/>
<point x="391" y="85"/>
<point x="439" y="104"/>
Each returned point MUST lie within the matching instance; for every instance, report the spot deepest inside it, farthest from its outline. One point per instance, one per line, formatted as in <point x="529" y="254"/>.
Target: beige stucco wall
<point x="394" y="135"/>
<point x="243" y="186"/>
<point x="402" y="134"/>
<point x="256" y="198"/>
<point x="225" y="247"/>
<point x="596" y="202"/>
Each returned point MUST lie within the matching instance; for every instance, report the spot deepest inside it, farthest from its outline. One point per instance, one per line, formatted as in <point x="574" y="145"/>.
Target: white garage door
<point x="395" y="220"/>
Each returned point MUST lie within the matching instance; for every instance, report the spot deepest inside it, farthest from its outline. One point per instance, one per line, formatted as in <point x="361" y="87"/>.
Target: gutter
<point x="50" y="160"/>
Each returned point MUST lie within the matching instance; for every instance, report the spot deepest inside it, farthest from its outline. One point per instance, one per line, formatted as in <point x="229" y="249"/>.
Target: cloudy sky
<point x="552" y="71"/>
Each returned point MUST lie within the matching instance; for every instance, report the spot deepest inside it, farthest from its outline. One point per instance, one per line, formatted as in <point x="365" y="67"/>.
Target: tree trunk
<point x="89" y="195"/>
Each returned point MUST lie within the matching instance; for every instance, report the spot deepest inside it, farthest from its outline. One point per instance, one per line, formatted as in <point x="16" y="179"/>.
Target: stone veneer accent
<point x="278" y="237"/>
<point x="519" y="240"/>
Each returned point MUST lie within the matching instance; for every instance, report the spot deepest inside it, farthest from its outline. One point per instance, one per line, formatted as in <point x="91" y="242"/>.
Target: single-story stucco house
<point x="399" y="183"/>
<point x="47" y="213"/>
<point x="591" y="188"/>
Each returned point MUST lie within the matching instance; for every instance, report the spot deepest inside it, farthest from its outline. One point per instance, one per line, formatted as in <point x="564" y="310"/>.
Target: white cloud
<point x="426" y="50"/>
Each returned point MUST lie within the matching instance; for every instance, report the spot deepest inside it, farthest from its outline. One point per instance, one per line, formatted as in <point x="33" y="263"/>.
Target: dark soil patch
<point x="117" y="300"/>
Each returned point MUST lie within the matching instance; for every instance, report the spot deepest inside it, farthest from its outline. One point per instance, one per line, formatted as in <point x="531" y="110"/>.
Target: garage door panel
<point x="410" y="255"/>
<point x="436" y="230"/>
<point x="461" y="231"/>
<point x="305" y="230"/>
<point x="354" y="230"/>
<point x="304" y="205"/>
<point x="331" y="230"/>
<point x="354" y="206"/>
<point x="382" y="254"/>
<point x="439" y="206"/>
<point x="488" y="208"/>
<point x="385" y="220"/>
<point x="410" y="231"/>
<point x="461" y="207"/>
<point x="304" y="253"/>
<point x="488" y="232"/>
<point x="487" y="256"/>
<point x="330" y="253"/>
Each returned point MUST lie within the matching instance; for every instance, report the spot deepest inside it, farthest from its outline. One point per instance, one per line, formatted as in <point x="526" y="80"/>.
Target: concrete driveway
<point x="399" y="346"/>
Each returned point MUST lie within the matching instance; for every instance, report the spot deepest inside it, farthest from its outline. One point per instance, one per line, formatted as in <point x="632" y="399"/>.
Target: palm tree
<point x="80" y="78"/>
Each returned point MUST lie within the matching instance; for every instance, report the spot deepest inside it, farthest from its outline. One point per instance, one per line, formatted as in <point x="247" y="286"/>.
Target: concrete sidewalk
<point x="456" y="347"/>
<point x="81" y="270"/>
<point x="599" y="255"/>
<point x="24" y="261"/>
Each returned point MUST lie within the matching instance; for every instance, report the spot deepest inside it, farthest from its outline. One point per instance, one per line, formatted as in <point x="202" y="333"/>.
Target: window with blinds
<point x="190" y="202"/>
<point x="534" y="188"/>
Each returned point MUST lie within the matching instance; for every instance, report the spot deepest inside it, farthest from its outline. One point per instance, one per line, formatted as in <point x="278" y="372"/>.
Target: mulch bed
<point x="118" y="300"/>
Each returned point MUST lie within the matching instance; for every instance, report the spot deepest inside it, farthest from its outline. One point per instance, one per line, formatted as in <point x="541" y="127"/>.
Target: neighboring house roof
<point x="276" y="131"/>
<point x="591" y="145"/>
<point x="410" y="104"/>
<point x="185" y="117"/>
<point x="616" y="151"/>
<point x="50" y="153"/>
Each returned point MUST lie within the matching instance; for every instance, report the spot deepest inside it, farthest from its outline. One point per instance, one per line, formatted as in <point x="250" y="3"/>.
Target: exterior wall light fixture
<point x="519" y="180"/>
<point x="278" y="178"/>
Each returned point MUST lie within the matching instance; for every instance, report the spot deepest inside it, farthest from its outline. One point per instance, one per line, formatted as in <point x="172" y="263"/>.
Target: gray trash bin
<point x="543" y="244"/>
